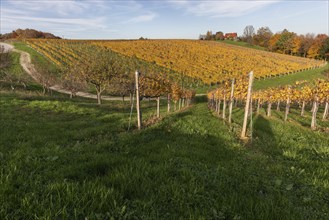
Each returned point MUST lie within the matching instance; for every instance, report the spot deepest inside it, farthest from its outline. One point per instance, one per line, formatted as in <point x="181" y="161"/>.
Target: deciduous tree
<point x="248" y="33"/>
<point x="263" y="36"/>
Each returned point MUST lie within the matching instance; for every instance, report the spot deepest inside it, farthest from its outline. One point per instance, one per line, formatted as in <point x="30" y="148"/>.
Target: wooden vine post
<point x="326" y="110"/>
<point x="158" y="107"/>
<point x="224" y="104"/>
<point x="278" y="106"/>
<point x="247" y="108"/>
<point x="218" y="109"/>
<point x="314" y="111"/>
<point x="269" y="107"/>
<point x="258" y="105"/>
<point x="303" y="109"/>
<point x="231" y="103"/>
<point x="287" y="104"/>
<point x="139" y="118"/>
<point x="168" y="103"/>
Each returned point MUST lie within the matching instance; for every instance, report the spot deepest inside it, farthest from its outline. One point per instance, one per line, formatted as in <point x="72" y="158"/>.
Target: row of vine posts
<point x="248" y="98"/>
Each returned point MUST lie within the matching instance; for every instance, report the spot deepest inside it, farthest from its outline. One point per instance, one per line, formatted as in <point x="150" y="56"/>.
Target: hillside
<point x="26" y="34"/>
<point x="209" y="62"/>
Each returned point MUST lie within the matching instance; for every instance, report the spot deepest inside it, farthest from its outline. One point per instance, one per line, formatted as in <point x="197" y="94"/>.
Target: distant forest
<point x="27" y="33"/>
<point x="285" y="42"/>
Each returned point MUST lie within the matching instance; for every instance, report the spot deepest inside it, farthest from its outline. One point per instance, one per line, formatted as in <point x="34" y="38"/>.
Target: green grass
<point x="13" y="76"/>
<point x="36" y="58"/>
<point x="72" y="159"/>
<point x="242" y="44"/>
<point x="308" y="75"/>
<point x="14" y="67"/>
<point x="205" y="89"/>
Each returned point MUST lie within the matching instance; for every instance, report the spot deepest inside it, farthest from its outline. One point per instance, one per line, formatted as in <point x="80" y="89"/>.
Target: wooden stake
<point x="158" y="107"/>
<point x="303" y="109"/>
<point x="326" y="109"/>
<point x="258" y="105"/>
<point x="287" y="105"/>
<point x="231" y="103"/>
<point x="168" y="107"/>
<point x="218" y="110"/>
<point x="139" y="118"/>
<point x="269" y="106"/>
<point x="315" y="109"/>
<point x="246" y="111"/>
<point x="278" y="106"/>
<point x="224" y="106"/>
<point x="212" y="100"/>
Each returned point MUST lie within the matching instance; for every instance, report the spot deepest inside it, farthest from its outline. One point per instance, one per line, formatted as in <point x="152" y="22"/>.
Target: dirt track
<point x="7" y="47"/>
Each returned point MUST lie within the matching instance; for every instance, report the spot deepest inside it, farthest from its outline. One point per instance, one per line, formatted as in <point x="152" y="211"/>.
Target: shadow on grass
<point x="264" y="133"/>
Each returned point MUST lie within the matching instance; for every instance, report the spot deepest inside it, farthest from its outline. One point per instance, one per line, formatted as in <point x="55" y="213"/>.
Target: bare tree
<point x="72" y="80"/>
<point x="248" y="33"/>
<point x="46" y="78"/>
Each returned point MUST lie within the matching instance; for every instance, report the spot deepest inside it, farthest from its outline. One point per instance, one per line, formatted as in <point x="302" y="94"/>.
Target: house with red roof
<point x="231" y="36"/>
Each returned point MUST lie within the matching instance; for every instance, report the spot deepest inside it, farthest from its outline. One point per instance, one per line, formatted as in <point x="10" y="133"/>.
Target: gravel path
<point x="7" y="47"/>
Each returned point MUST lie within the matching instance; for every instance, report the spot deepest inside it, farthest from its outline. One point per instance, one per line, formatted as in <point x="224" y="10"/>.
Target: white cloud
<point x="67" y="18"/>
<point x="59" y="7"/>
<point x="68" y="21"/>
<point x="47" y="15"/>
<point x="149" y="16"/>
<point x="220" y="8"/>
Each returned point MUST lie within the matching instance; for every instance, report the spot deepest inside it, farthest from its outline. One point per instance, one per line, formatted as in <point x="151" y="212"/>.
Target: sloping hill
<point x="74" y="159"/>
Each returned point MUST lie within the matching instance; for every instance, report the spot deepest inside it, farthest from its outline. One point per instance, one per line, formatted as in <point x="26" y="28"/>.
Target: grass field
<point x="13" y="67"/>
<point x="13" y="75"/>
<point x="243" y="44"/>
<point x="309" y="75"/>
<point x="72" y="159"/>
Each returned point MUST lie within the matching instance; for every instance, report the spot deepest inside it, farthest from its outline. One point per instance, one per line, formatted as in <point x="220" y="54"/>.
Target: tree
<point x="324" y="51"/>
<point x="209" y="35"/>
<point x="314" y="50"/>
<point x="272" y="43"/>
<point x="285" y="42"/>
<point x="14" y="77"/>
<point x="71" y="79"/>
<point x="122" y="85"/>
<point x="46" y="78"/>
<point x="219" y="35"/>
<point x="263" y="36"/>
<point x="98" y="68"/>
<point x="296" y="44"/>
<point x="306" y="43"/>
<point x="248" y="33"/>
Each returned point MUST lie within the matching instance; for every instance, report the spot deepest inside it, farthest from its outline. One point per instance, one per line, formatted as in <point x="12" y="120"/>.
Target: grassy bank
<point x="242" y="44"/>
<point x="36" y="58"/>
<point x="13" y="76"/>
<point x="308" y="75"/>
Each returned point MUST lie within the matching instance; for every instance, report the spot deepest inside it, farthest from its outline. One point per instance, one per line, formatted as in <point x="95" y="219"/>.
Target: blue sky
<point x="179" y="19"/>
